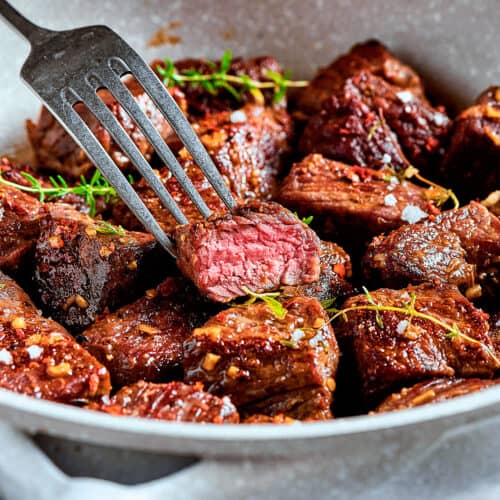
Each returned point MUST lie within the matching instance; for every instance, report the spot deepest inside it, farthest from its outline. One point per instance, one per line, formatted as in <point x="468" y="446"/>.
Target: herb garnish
<point x="2" y="285"/>
<point x="236" y="85"/>
<point x="270" y="299"/>
<point x="97" y="186"/>
<point x="408" y="308"/>
<point x="104" y="227"/>
<point x="306" y="220"/>
<point x="289" y="343"/>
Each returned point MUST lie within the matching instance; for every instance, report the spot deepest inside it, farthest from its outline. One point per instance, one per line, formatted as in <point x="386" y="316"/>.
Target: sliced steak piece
<point x="38" y="357"/>
<point x="369" y="56"/>
<point x="21" y="217"/>
<point x="471" y="163"/>
<point x="55" y="150"/>
<point x="259" y="247"/>
<point x="201" y="102"/>
<point x="248" y="146"/>
<point x="250" y="354"/>
<point x="302" y="404"/>
<point x="84" y="267"/>
<point x="433" y="391"/>
<point x="174" y="401"/>
<point x="266" y="419"/>
<point x="460" y="246"/>
<point x="377" y="107"/>
<point x="143" y="340"/>
<point x="352" y="204"/>
<point x="390" y="351"/>
<point x="335" y="269"/>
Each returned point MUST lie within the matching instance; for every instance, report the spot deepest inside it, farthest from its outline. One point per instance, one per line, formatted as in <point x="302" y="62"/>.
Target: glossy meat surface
<point x="369" y="56"/>
<point x="39" y="358"/>
<point x="352" y="204"/>
<point x="459" y="246"/>
<point x="259" y="247"/>
<point x="391" y="352"/>
<point x="433" y="391"/>
<point x="249" y="354"/>
<point x="143" y="340"/>
<point x="83" y="267"/>
<point x="175" y="402"/>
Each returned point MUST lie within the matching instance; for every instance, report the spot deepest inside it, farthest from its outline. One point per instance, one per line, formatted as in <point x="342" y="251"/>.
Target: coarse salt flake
<point x="386" y="158"/>
<point x="405" y="96"/>
<point x="238" y="117"/>
<point x="6" y="357"/>
<point x="34" y="351"/>
<point x="401" y="327"/>
<point x="390" y="200"/>
<point x="297" y="335"/>
<point x="412" y="214"/>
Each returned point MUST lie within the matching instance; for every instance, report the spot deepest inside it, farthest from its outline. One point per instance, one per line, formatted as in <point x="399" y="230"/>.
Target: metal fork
<point x="65" y="68"/>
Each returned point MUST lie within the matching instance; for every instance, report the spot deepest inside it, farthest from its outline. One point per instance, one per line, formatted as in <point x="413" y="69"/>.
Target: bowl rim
<point x="47" y="416"/>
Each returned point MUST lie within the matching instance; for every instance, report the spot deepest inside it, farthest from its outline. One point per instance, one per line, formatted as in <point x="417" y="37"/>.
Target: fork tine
<point x="95" y="104"/>
<point x="175" y="117"/>
<point x="81" y="133"/>
<point x="126" y="100"/>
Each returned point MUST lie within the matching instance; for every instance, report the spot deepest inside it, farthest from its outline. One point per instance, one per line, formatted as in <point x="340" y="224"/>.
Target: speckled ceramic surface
<point x="453" y="43"/>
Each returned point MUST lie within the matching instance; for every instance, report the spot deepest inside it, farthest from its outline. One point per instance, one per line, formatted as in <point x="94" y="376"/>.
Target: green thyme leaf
<point x="289" y="343"/>
<point x="104" y="227"/>
<point x="270" y="299"/>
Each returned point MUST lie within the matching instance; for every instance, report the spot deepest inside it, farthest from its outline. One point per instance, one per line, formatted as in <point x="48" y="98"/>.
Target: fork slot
<point x="175" y="117"/>
<point x="122" y="94"/>
<point x="95" y="104"/>
<point x="80" y="132"/>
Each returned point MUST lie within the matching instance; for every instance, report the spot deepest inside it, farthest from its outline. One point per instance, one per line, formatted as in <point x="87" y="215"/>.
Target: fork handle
<point x="29" y="30"/>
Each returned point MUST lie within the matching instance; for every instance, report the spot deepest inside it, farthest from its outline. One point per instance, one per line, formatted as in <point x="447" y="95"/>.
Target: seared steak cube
<point x="201" y="102"/>
<point x="490" y="96"/>
<point x="259" y="247"/>
<point x="55" y="149"/>
<point x="21" y="217"/>
<point x="335" y="269"/>
<point x="348" y="129"/>
<point x="38" y="357"/>
<point x="392" y="349"/>
<point x="174" y="401"/>
<point x="250" y="353"/>
<point x="433" y="391"/>
<point x="266" y="419"/>
<point x="376" y="110"/>
<point x="367" y="56"/>
<point x="248" y="147"/>
<point x="472" y="159"/>
<point x="459" y="246"/>
<point x="352" y="204"/>
<point x="84" y="267"/>
<point x="143" y="340"/>
<point x="303" y="404"/>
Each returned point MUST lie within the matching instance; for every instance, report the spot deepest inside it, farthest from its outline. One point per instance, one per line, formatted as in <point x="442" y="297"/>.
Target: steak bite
<point x="433" y="391"/>
<point x="248" y="146"/>
<point x="201" y="102"/>
<point x="259" y="247"/>
<point x="351" y="203"/>
<point x="175" y="401"/>
<point x="459" y="246"/>
<point x="84" y="267"/>
<point x="369" y="56"/>
<point x="355" y="124"/>
<point x="489" y="97"/>
<point x="392" y="349"/>
<point x="55" y="150"/>
<point x="311" y="403"/>
<point x="335" y="269"/>
<point x="143" y="340"/>
<point x="38" y="357"/>
<point x="471" y="163"/>
<point x="251" y="355"/>
<point x="21" y="217"/>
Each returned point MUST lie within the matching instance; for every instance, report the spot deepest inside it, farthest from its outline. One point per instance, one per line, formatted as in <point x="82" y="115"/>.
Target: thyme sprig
<point x="88" y="190"/>
<point x="269" y="298"/>
<point x="408" y="308"/>
<point x="438" y="193"/>
<point x="236" y="85"/>
<point x="104" y="227"/>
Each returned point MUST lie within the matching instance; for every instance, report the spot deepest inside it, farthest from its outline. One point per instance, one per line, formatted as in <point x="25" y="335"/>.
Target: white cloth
<point x="463" y="463"/>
